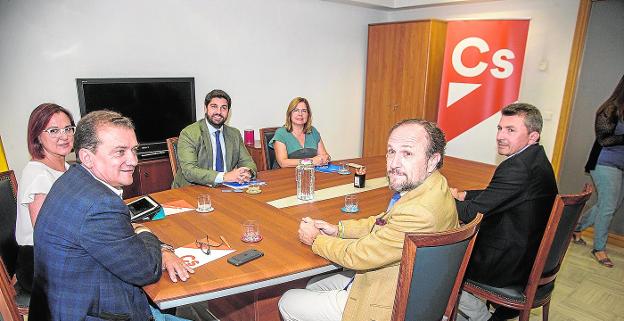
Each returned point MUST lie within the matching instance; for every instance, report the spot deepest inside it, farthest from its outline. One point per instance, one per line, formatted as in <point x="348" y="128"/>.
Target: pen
<point x="225" y="241"/>
<point x="232" y="190"/>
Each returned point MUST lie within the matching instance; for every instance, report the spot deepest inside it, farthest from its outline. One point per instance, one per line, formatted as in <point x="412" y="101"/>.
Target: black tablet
<point x="143" y="209"/>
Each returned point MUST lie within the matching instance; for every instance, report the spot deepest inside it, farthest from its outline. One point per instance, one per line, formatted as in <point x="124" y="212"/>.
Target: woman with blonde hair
<point x="298" y="139"/>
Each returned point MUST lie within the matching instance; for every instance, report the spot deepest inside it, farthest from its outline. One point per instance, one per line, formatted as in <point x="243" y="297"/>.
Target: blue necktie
<point x="219" y="160"/>
<point x="395" y="198"/>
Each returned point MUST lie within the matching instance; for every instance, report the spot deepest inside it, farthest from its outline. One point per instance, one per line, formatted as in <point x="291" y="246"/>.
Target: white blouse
<point x="37" y="178"/>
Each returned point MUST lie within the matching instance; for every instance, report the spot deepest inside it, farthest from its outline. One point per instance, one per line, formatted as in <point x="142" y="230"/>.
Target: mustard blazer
<point x="374" y="251"/>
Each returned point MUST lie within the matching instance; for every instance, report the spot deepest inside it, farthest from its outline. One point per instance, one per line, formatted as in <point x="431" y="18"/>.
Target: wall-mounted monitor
<point x="159" y="107"/>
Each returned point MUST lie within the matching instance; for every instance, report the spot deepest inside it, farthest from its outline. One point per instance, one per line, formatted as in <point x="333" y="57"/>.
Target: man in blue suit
<point x="90" y="261"/>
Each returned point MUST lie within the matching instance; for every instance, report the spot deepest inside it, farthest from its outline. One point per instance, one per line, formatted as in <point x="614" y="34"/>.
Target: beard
<point x="215" y="124"/>
<point x="405" y="186"/>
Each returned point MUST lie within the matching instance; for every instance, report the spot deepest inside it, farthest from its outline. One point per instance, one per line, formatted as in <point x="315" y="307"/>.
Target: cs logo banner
<point x="482" y="71"/>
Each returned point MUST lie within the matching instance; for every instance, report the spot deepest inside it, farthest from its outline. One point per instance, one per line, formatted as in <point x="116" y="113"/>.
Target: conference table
<point x="251" y="291"/>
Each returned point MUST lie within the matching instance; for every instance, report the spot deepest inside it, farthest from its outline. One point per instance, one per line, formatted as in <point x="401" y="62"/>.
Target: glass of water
<point x="204" y="203"/>
<point x="351" y="203"/>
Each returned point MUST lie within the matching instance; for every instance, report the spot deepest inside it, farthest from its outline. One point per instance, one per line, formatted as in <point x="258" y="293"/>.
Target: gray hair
<point x="532" y="116"/>
<point x="435" y="137"/>
<point x="86" y="130"/>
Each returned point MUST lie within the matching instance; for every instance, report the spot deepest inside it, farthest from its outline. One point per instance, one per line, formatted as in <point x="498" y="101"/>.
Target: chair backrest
<point x="268" y="154"/>
<point x="172" y="146"/>
<point x="432" y="271"/>
<point x="564" y="216"/>
<point x="8" y="306"/>
<point x="8" y="215"/>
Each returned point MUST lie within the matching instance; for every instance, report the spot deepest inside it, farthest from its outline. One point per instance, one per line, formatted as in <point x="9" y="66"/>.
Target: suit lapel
<point x="205" y="136"/>
<point x="229" y="146"/>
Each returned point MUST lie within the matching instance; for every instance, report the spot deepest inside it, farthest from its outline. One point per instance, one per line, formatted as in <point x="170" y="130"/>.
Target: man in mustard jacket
<point x="371" y="248"/>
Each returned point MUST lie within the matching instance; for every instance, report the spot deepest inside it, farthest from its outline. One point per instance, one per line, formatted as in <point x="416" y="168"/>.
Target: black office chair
<point x="431" y="273"/>
<point x="268" y="154"/>
<point x="8" y="215"/>
<point x="15" y="299"/>
<point x="564" y="216"/>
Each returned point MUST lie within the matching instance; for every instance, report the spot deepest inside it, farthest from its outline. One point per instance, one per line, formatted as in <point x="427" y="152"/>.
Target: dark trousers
<point x="504" y="313"/>
<point x="24" y="270"/>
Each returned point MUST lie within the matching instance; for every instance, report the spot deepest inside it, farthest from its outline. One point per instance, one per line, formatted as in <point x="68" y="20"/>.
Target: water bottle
<point x="305" y="180"/>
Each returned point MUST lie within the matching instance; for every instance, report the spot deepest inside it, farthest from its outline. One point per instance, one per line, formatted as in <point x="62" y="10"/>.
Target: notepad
<point x="243" y="185"/>
<point x="175" y="207"/>
<point x="194" y="257"/>
<point x="329" y="168"/>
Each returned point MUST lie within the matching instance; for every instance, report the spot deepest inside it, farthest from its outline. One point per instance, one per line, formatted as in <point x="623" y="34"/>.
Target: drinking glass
<point x="204" y="203"/>
<point x="351" y="203"/>
<point x="251" y="231"/>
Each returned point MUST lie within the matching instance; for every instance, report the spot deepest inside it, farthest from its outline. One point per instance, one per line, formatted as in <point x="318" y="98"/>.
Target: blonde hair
<point x="307" y="128"/>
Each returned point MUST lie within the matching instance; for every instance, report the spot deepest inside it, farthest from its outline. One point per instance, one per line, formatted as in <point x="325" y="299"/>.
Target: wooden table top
<point x="285" y="257"/>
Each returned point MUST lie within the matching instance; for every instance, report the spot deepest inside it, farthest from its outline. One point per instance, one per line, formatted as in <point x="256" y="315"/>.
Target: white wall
<point x="263" y="53"/>
<point x="551" y="30"/>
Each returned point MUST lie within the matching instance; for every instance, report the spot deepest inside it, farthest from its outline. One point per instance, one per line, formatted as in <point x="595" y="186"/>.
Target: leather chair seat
<point x="515" y="293"/>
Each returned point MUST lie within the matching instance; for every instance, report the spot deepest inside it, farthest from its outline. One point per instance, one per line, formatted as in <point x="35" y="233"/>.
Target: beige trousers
<point x="323" y="299"/>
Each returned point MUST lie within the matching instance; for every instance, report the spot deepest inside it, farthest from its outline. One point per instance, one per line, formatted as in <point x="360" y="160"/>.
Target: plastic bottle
<point x="305" y="180"/>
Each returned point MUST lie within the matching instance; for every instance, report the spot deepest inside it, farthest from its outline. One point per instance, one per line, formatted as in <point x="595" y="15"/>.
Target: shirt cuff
<point x="219" y="178"/>
<point x="340" y="230"/>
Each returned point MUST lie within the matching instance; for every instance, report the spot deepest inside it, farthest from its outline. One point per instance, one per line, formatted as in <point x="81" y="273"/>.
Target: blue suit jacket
<point x="89" y="263"/>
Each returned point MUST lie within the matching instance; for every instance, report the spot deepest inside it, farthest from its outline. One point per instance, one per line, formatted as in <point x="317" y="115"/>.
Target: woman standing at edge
<point x="298" y="139"/>
<point x="606" y="166"/>
<point x="50" y="138"/>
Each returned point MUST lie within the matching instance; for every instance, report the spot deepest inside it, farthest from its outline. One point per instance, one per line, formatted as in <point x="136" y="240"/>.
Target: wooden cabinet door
<point x="155" y="175"/>
<point x="424" y="44"/>
<point x="403" y="75"/>
<point x="149" y="176"/>
<point x="383" y="85"/>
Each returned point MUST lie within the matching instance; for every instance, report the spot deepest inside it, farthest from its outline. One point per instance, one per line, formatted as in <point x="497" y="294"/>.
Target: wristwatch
<point x="167" y="247"/>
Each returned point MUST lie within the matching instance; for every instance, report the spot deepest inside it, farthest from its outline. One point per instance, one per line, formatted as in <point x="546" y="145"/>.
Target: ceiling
<point x="402" y="4"/>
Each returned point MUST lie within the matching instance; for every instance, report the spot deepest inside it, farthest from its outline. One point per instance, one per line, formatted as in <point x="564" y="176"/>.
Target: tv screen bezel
<point x="80" y="82"/>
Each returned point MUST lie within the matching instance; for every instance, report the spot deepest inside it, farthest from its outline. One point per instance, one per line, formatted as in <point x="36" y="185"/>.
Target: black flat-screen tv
<point x="159" y="107"/>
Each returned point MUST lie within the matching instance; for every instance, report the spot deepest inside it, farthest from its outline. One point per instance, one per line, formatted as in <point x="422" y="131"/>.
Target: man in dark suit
<point x="90" y="261"/>
<point x="210" y="152"/>
<point x="516" y="206"/>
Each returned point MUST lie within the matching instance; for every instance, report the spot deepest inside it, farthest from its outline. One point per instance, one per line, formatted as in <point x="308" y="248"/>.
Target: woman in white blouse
<point x="50" y="138"/>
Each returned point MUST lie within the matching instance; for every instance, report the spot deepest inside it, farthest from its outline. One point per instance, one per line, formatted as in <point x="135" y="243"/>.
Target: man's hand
<point x="460" y="196"/>
<point x="138" y="228"/>
<point x="307" y="231"/>
<point x="239" y="175"/>
<point x="175" y="266"/>
<point x="326" y="228"/>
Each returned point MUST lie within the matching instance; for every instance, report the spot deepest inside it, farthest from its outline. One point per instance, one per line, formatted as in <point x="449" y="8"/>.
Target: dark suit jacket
<point x="195" y="154"/>
<point x="516" y="205"/>
<point x="89" y="263"/>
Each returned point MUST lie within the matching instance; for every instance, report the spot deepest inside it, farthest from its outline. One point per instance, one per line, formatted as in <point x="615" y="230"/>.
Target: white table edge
<point x="247" y="287"/>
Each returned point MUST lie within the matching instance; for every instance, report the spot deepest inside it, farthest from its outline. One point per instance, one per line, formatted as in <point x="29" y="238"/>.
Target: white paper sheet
<point x="195" y="257"/>
<point x="175" y="210"/>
